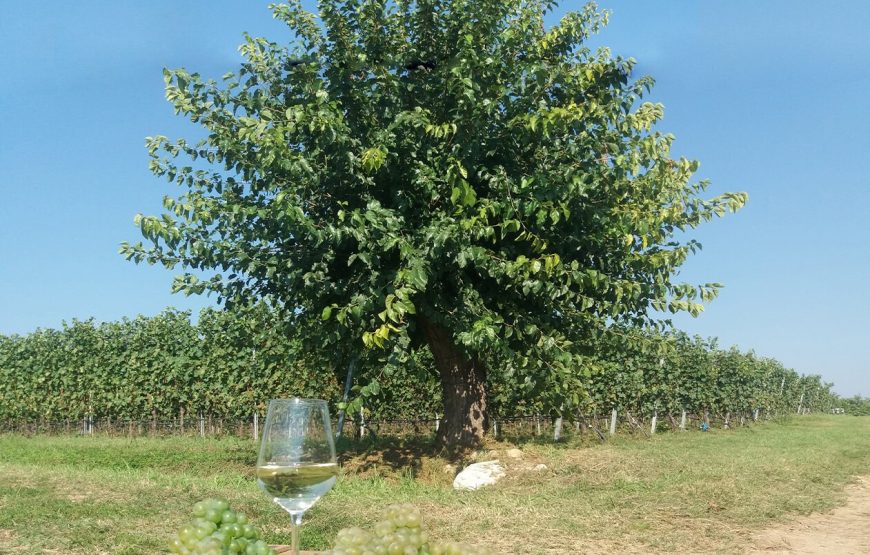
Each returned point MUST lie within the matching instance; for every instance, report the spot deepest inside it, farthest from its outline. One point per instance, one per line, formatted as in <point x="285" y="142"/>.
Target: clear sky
<point x="771" y="97"/>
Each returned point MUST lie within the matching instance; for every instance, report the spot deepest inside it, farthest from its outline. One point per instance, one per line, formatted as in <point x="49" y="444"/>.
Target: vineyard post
<point x="557" y="427"/>
<point x="437" y="422"/>
<point x="800" y="403"/>
<point x="655" y="418"/>
<point x="347" y="382"/>
<point x="538" y="424"/>
<point x="755" y="415"/>
<point x="683" y="421"/>
<point x="362" y="423"/>
<point x="256" y="426"/>
<point x="613" y="422"/>
<point x="201" y="425"/>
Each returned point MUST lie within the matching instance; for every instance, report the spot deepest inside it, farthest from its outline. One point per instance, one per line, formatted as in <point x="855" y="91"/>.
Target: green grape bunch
<point x="218" y="530"/>
<point x="398" y="533"/>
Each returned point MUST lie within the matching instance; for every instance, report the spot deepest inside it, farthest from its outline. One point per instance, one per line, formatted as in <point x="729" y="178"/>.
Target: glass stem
<point x="294" y="534"/>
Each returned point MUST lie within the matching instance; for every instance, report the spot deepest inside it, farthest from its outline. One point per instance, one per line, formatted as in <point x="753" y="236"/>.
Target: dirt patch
<point x="6" y="541"/>
<point x="844" y="530"/>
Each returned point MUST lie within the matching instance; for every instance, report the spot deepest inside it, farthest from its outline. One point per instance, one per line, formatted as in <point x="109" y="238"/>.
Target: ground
<point x="843" y="531"/>
<point x="725" y="491"/>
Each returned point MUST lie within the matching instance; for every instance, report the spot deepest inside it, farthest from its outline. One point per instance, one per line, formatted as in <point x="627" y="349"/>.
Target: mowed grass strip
<point x="692" y="492"/>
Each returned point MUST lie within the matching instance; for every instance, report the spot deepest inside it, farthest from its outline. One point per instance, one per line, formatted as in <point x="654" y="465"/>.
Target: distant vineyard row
<point x="230" y="364"/>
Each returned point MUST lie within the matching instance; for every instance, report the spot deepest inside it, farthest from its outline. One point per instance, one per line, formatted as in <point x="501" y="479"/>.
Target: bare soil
<point x="843" y="531"/>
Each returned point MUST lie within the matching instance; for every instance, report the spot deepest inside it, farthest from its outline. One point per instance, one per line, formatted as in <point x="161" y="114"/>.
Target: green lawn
<point x="676" y="492"/>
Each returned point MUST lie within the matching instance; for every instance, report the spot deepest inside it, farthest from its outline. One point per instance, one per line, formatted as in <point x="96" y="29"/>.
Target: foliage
<point x="164" y="366"/>
<point x="230" y="363"/>
<point x="856" y="406"/>
<point x="446" y="161"/>
<point x="671" y="372"/>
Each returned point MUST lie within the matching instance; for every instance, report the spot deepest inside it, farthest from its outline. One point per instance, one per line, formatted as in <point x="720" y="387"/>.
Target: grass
<point x="688" y="492"/>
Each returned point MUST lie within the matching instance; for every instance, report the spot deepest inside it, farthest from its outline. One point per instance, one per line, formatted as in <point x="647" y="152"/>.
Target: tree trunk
<point x="463" y="389"/>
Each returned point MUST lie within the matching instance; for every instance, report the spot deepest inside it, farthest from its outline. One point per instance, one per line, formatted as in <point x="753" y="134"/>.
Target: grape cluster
<point x="218" y="530"/>
<point x="399" y="533"/>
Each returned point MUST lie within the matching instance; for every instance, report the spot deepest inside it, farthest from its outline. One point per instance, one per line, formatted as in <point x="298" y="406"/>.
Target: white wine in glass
<point x="296" y="465"/>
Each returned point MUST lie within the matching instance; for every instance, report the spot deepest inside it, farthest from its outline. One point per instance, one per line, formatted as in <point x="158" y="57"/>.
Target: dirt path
<point x="843" y="531"/>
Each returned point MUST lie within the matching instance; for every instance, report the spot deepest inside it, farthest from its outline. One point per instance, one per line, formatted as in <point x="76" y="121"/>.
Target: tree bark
<point x="463" y="389"/>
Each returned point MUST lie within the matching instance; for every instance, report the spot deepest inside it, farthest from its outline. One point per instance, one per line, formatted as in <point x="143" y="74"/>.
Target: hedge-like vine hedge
<point x="230" y="363"/>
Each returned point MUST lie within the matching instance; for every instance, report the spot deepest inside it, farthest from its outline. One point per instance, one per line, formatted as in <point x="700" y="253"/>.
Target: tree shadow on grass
<point x="387" y="454"/>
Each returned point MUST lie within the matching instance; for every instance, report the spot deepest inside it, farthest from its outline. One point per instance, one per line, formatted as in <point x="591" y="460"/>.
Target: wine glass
<point x="296" y="465"/>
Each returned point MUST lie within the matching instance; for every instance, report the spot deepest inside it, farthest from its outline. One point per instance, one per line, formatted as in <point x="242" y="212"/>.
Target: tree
<point x="448" y="173"/>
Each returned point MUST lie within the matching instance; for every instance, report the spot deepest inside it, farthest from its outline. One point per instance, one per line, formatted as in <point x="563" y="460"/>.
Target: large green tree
<point x="447" y="173"/>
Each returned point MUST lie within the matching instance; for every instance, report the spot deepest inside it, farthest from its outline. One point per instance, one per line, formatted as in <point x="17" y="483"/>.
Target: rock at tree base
<point x="477" y="475"/>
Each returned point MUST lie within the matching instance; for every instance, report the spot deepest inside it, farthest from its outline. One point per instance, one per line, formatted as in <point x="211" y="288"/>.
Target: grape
<point x="399" y="533"/>
<point x="216" y="529"/>
<point x="199" y="509"/>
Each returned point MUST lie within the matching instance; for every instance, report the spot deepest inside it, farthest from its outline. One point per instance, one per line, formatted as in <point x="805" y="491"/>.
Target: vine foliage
<point x="229" y="364"/>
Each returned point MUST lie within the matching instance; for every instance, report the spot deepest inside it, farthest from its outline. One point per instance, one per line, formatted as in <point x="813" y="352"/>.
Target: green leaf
<point x="370" y="172"/>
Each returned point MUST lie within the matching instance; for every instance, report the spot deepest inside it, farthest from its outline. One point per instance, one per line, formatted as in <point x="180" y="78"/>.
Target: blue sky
<point x="770" y="96"/>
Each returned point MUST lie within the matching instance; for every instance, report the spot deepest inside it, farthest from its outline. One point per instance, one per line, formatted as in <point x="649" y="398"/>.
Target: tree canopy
<point x="449" y="173"/>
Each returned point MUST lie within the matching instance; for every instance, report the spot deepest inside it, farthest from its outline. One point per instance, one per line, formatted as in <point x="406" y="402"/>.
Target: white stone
<point x="477" y="475"/>
<point x="540" y="467"/>
<point x="514" y="453"/>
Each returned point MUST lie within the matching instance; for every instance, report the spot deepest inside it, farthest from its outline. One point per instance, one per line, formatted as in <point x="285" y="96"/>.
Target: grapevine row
<point x="230" y="364"/>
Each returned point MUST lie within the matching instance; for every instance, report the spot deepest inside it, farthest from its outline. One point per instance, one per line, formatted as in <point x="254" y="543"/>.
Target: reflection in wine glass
<point x="296" y="465"/>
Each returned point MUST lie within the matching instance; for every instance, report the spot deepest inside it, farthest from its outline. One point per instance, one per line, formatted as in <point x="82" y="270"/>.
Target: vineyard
<point x="226" y="366"/>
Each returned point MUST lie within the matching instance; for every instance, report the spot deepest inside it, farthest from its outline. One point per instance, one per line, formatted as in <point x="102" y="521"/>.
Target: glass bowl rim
<point x="299" y="401"/>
